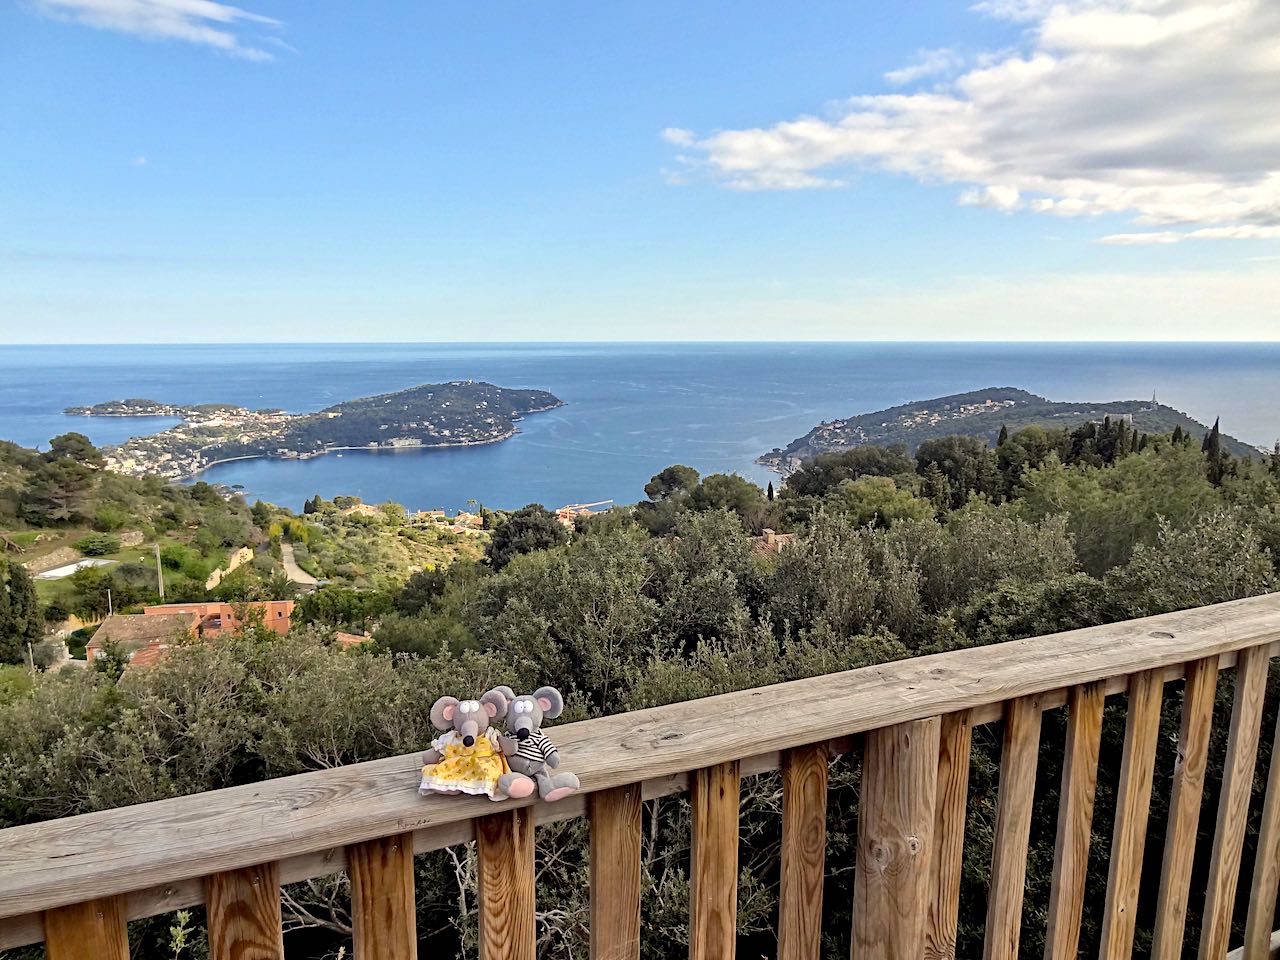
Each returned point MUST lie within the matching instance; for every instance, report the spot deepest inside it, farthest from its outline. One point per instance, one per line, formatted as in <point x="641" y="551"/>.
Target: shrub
<point x="97" y="544"/>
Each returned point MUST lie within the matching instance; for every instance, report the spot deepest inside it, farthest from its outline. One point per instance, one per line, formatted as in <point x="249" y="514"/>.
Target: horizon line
<point x="620" y="342"/>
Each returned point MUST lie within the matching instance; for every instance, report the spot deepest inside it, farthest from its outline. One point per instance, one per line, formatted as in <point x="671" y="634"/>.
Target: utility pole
<point x="110" y="609"/>
<point x="159" y="573"/>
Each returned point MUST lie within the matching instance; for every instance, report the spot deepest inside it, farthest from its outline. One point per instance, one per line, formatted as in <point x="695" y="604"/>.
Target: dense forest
<point x="896" y="554"/>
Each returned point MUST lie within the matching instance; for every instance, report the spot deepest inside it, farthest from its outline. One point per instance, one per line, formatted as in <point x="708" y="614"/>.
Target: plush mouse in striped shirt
<point x="529" y="751"/>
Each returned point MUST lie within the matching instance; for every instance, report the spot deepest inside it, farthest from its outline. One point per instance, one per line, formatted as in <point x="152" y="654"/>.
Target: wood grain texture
<point x="895" y="840"/>
<point x="804" y="850"/>
<point x="1133" y="803"/>
<point x="1266" y="867"/>
<point x="1184" y="808"/>
<point x="504" y="847"/>
<point x="1273" y="953"/>
<point x="1018" y="760"/>
<point x="615" y="873"/>
<point x="1233" y="803"/>
<point x="383" y="905"/>
<point x="169" y="841"/>
<point x="713" y="882"/>
<point x="1075" y="821"/>
<point x="244" y="914"/>
<point x="955" y="744"/>
<point x="93" y="930"/>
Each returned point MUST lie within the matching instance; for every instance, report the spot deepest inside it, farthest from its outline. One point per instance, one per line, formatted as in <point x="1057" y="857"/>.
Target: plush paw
<point x="559" y="793"/>
<point x="516" y="785"/>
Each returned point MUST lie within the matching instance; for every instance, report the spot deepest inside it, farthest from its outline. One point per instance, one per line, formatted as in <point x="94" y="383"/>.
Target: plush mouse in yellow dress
<point x="466" y="757"/>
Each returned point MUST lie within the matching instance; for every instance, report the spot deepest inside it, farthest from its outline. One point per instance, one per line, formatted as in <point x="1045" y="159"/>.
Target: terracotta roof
<point x="346" y="640"/>
<point x="148" y="655"/>
<point x="137" y="630"/>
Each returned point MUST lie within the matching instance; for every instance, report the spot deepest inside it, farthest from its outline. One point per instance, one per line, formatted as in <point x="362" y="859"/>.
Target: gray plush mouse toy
<point x="529" y="751"/>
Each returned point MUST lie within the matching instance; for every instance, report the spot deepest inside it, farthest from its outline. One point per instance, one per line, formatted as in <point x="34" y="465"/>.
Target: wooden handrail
<point x="157" y="854"/>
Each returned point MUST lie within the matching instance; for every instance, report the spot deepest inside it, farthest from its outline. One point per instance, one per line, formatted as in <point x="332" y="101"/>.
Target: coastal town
<point x="458" y="413"/>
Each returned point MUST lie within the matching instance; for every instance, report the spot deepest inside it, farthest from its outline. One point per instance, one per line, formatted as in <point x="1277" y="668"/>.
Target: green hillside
<point x="982" y="413"/>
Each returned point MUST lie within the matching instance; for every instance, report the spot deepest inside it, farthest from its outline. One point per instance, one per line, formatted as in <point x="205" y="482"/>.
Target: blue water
<point x="631" y="409"/>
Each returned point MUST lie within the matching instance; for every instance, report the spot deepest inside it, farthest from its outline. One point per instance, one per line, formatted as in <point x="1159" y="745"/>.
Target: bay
<point x="631" y="408"/>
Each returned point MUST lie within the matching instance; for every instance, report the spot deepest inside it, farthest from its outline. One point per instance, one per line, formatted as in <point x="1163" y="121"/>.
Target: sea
<point x="630" y="408"/>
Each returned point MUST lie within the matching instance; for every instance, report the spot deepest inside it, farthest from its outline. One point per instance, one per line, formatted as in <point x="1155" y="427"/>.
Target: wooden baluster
<point x="1233" y="801"/>
<point x="1018" y="759"/>
<point x="383" y="905"/>
<point x="94" y="930"/>
<point x="713" y="889"/>
<point x="1184" y="808"/>
<point x="1266" y="868"/>
<point x="615" y="873"/>
<point x="504" y="845"/>
<point x="243" y="911"/>
<point x="1075" y="821"/>
<point x="954" y="747"/>
<point x="804" y="847"/>
<point x="895" y="840"/>
<point x="1133" y="805"/>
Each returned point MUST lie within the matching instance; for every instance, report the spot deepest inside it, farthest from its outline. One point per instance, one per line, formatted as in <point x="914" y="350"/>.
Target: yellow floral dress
<point x="475" y="769"/>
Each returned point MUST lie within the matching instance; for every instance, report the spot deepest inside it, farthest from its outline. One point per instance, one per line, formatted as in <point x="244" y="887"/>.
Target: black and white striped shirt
<point x="538" y="748"/>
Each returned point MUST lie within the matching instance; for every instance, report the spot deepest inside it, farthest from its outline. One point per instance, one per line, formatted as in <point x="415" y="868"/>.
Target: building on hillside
<point x="215" y="618"/>
<point x="361" y="510"/>
<point x="133" y="632"/>
<point x="567" y="514"/>
<point x="770" y="541"/>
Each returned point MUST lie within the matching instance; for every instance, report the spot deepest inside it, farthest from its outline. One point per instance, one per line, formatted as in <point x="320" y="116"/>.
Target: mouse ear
<point x="443" y="711"/>
<point x="495" y="703"/>
<point x="550" y="701"/>
<point x="505" y="691"/>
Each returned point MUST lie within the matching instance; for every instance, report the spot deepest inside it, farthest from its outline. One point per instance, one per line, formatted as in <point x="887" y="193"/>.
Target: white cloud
<point x="1204" y="233"/>
<point x="1007" y="199"/>
<point x="929" y="63"/>
<point x="139" y="161"/>
<point x="205" y="22"/>
<point x="1162" y="110"/>
<point x="678" y="137"/>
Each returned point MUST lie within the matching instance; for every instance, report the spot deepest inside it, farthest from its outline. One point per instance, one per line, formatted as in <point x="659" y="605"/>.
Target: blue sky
<point x="184" y="170"/>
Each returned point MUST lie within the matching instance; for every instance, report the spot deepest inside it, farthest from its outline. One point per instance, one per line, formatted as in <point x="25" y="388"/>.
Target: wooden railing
<point x="74" y="883"/>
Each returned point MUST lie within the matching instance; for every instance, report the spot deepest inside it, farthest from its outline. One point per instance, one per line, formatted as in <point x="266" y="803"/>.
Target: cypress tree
<point x="1177" y="434"/>
<point x="770" y="491"/>
<point x="1134" y="444"/>
<point x="1004" y="435"/>
<point x="21" y="620"/>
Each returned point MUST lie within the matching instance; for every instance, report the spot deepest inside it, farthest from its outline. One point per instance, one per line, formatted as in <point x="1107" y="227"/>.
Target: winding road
<point x="291" y="569"/>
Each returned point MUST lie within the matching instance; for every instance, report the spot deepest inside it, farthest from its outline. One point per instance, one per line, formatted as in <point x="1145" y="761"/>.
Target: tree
<point x="826" y="471"/>
<point x="419" y="590"/>
<point x="1218" y="461"/>
<point x="74" y="446"/>
<point x="877" y="501"/>
<point x="21" y="620"/>
<point x="56" y="492"/>
<point x="673" y="481"/>
<point x="1004" y="435"/>
<point x="769" y="491"/>
<point x="530" y="528"/>
<point x="726" y="491"/>
<point x="966" y="463"/>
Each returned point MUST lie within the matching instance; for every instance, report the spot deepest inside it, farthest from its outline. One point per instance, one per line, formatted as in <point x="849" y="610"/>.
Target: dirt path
<point x="291" y="569"/>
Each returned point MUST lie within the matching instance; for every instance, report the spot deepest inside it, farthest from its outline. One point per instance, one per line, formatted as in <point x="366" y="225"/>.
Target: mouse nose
<point x="522" y="733"/>
<point x="468" y="741"/>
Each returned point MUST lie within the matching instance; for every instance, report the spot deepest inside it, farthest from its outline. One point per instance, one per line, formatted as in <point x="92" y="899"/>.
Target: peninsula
<point x="980" y="413"/>
<point x="458" y="413"/>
